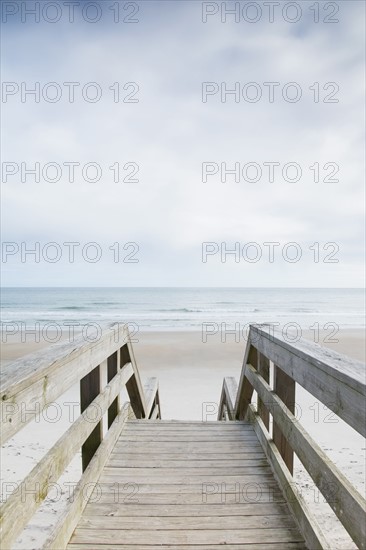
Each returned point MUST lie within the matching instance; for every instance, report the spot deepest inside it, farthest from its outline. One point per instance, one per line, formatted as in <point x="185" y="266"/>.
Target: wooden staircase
<point x="187" y="485"/>
<point x="184" y="485"/>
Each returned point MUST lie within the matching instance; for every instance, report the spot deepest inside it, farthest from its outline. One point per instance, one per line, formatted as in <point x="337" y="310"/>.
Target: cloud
<point x="169" y="133"/>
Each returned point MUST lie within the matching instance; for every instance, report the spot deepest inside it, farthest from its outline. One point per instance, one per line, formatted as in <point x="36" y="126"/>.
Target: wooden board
<point x="274" y="546"/>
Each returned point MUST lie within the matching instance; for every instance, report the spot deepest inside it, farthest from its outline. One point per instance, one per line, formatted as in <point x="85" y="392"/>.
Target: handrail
<point x="338" y="382"/>
<point x="103" y="368"/>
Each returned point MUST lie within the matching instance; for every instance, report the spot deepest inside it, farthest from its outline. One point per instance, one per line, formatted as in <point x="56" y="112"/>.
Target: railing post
<point x="263" y="370"/>
<point x="133" y="386"/>
<point x="245" y="392"/>
<point x="113" y="368"/>
<point x="89" y="389"/>
<point x="284" y="387"/>
<point x="135" y="397"/>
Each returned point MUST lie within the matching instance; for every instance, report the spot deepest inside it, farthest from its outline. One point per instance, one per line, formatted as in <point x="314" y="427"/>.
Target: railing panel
<point x="68" y="520"/>
<point x="336" y="380"/>
<point x="339" y="383"/>
<point x="35" y="382"/>
<point x="16" y="511"/>
<point x="347" y="503"/>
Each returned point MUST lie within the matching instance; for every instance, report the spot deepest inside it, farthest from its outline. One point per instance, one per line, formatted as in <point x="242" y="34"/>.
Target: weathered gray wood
<point x="153" y="456"/>
<point x="177" y="476"/>
<point x="21" y="505"/>
<point x="263" y="369"/>
<point x="336" y="380"/>
<point x="274" y="546"/>
<point x="183" y="423"/>
<point x="245" y="390"/>
<point x="70" y="516"/>
<point x="200" y="446"/>
<point x="179" y="537"/>
<point x="284" y="387"/>
<point x="224" y="464"/>
<point x="39" y="379"/>
<point x="113" y="367"/>
<point x="228" y="397"/>
<point x="304" y="517"/>
<point x="151" y="389"/>
<point x="206" y="449"/>
<point x="89" y="389"/>
<point x="197" y="510"/>
<point x="261" y="494"/>
<point x="136" y="397"/>
<point x="226" y="427"/>
<point x="188" y="523"/>
<point x="346" y="501"/>
<point x="143" y="490"/>
<point x="155" y="413"/>
<point x="135" y="388"/>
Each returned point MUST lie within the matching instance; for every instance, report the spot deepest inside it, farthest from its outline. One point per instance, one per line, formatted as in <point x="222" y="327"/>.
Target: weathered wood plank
<point x="112" y="475"/>
<point x="120" y="462"/>
<point x="188" y="428"/>
<point x="192" y="471"/>
<point x="250" y="484"/>
<point x="183" y="437"/>
<point x="274" y="545"/>
<point x="184" y="423"/>
<point x="179" y="537"/>
<point x="184" y="510"/>
<point x="188" y="523"/>
<point x="153" y="456"/>
<point x="207" y="448"/>
<point x="258" y="494"/>
<point x="191" y="447"/>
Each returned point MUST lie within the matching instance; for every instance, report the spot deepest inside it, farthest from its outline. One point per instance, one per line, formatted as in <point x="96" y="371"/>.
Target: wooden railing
<point x="336" y="381"/>
<point x="103" y="368"/>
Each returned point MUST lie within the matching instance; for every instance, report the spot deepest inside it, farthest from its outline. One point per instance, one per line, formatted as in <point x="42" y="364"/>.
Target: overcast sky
<point x="169" y="132"/>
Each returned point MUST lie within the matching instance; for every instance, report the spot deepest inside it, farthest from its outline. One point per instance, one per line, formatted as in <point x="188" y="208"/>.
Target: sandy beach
<point x="190" y="373"/>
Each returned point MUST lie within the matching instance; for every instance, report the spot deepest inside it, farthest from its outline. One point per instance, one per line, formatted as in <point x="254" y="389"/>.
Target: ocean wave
<point x="179" y="310"/>
<point x="71" y="308"/>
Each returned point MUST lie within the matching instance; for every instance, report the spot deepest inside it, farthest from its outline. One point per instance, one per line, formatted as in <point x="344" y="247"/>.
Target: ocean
<point x="185" y="308"/>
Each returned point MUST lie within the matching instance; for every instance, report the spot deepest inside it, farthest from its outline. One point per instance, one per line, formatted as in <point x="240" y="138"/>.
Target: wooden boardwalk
<point x="149" y="483"/>
<point x="187" y="485"/>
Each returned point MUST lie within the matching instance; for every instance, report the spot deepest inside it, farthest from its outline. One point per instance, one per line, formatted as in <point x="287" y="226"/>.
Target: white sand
<point x="190" y="376"/>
